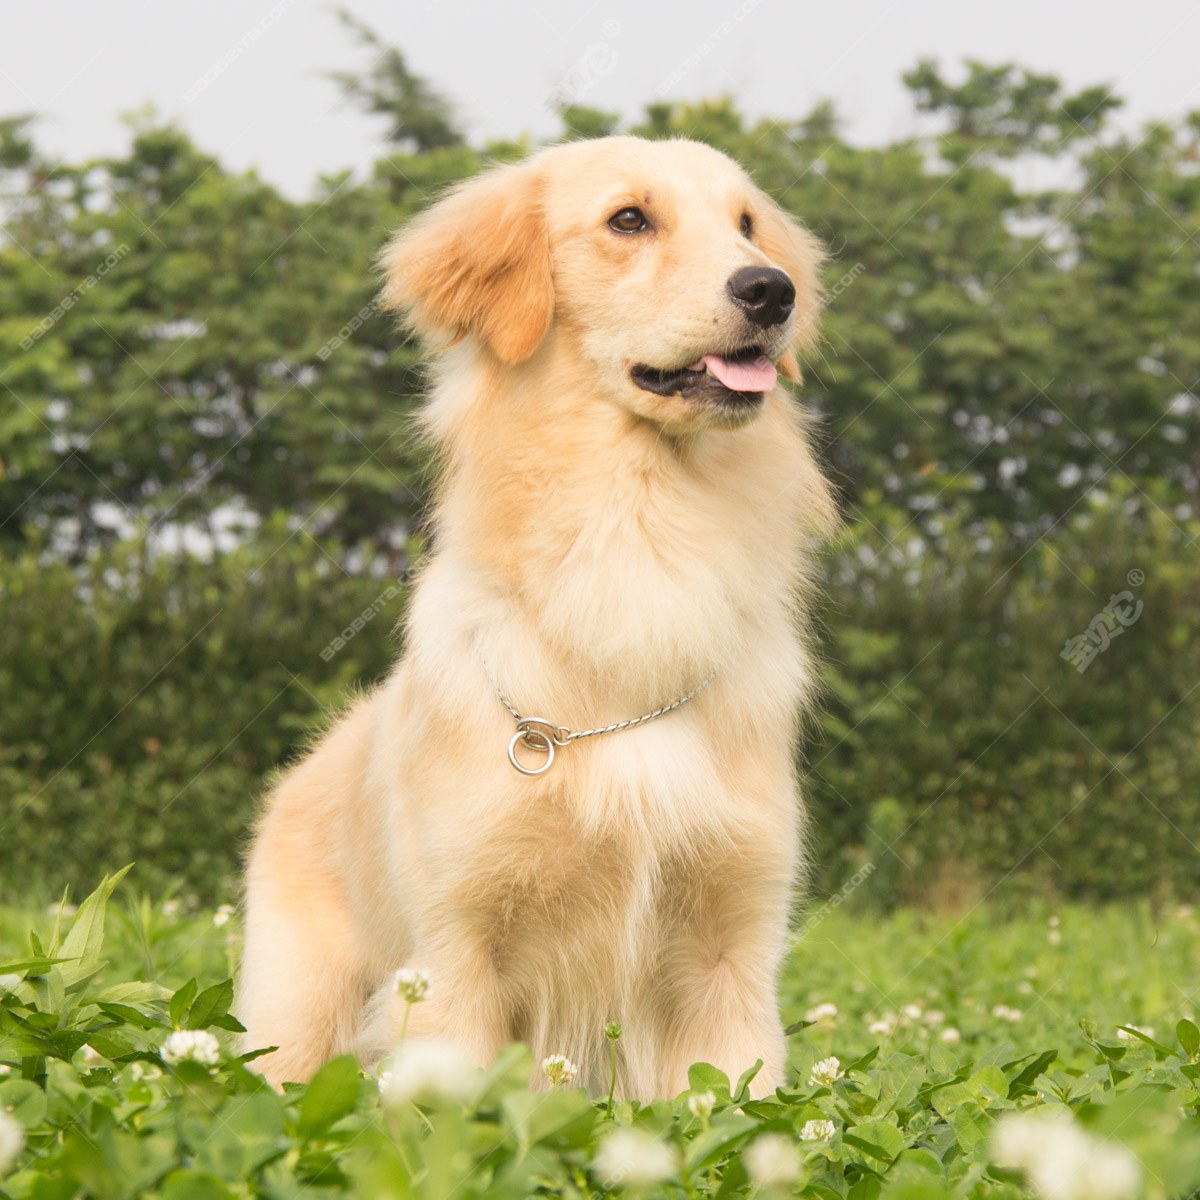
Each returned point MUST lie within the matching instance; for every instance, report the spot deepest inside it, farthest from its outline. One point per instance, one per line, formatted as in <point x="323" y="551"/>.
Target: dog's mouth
<point x="736" y="380"/>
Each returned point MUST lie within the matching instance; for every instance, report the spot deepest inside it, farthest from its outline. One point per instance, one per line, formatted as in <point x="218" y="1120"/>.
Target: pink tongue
<point x="757" y="375"/>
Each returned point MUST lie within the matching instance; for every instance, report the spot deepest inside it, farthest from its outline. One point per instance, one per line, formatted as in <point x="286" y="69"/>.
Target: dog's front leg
<point x="716" y="982"/>
<point x="729" y="1018"/>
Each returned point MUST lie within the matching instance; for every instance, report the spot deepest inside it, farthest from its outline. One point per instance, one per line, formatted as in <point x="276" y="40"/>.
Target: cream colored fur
<point x="605" y="549"/>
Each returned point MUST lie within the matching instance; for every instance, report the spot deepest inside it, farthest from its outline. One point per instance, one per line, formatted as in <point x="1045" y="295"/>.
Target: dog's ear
<point x="477" y="262"/>
<point x="793" y="249"/>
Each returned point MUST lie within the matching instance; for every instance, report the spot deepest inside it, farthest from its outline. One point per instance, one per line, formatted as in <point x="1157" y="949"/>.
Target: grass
<point x="943" y="1027"/>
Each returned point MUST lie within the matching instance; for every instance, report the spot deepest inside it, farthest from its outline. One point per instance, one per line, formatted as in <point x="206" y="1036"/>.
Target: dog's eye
<point x="628" y="220"/>
<point x="747" y="226"/>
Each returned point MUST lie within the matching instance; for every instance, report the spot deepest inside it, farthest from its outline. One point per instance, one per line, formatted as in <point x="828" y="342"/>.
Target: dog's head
<point x="678" y="282"/>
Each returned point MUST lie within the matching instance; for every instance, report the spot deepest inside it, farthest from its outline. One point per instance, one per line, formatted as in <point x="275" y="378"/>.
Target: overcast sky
<point x="245" y="77"/>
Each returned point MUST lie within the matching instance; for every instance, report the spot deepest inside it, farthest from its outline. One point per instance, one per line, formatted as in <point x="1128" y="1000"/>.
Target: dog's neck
<point x="621" y="553"/>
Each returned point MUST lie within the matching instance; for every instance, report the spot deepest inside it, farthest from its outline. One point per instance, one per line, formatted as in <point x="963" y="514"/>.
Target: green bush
<point x="147" y="703"/>
<point x="1013" y="770"/>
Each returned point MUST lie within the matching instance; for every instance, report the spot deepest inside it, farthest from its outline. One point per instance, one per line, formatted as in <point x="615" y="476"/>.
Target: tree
<point x="991" y="354"/>
<point x="186" y="348"/>
<point x="420" y="119"/>
<point x="1009" y="110"/>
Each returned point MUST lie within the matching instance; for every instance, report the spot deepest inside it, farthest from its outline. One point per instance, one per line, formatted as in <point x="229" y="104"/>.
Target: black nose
<point x="764" y="294"/>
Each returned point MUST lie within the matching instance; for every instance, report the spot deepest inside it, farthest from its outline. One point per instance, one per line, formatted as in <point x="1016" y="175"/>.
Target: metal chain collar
<point x="545" y="736"/>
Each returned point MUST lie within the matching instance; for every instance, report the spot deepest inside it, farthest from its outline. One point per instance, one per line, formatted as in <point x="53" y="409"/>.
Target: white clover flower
<point x="1025" y="988"/>
<point x="1002" y="1012"/>
<point x="139" y="1071"/>
<point x="772" y="1161"/>
<point x="935" y="1017"/>
<point x="1062" y="1161"/>
<point x="883" y="1026"/>
<point x="428" y="1072"/>
<point x="222" y="915"/>
<point x="411" y="984"/>
<point x="950" y="1036"/>
<point x="912" y="1012"/>
<point x="825" y="1013"/>
<point x="12" y="1141"/>
<point x="632" y="1156"/>
<point x="5" y="1069"/>
<point x="191" y="1045"/>
<point x="817" y="1131"/>
<point x="1126" y="1036"/>
<point x="1054" y="937"/>
<point x="825" y="1072"/>
<point x="1053" y="922"/>
<point x="559" y="1069"/>
<point x="700" y="1104"/>
<point x="171" y="908"/>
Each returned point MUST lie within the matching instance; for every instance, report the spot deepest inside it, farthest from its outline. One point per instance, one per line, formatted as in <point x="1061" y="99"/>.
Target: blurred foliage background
<point x="206" y="477"/>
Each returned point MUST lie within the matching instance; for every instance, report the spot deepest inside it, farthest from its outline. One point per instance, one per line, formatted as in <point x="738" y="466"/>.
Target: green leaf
<point x="879" y="1139"/>
<point x="1189" y="1037"/>
<point x="330" y="1096"/>
<point x="744" y="1081"/>
<point x="970" y="1124"/>
<point x="251" y="1055"/>
<point x="85" y="939"/>
<point x="557" y="1118"/>
<point x="66" y="1043"/>
<point x="726" y="1132"/>
<point x="192" y="1185"/>
<point x="211" y="1005"/>
<point x="250" y="1132"/>
<point x="1019" y="1083"/>
<point x="1161" y="1050"/>
<point x="128" y="1015"/>
<point x="181" y="1002"/>
<point x="861" y="1064"/>
<point x="23" y="1045"/>
<point x="25" y="1102"/>
<point x="704" y="1077"/>
<point x="31" y="966"/>
<point x="137" y="992"/>
<point x="866" y="1188"/>
<point x="988" y="1083"/>
<point x="921" y="1159"/>
<point x="111" y="1045"/>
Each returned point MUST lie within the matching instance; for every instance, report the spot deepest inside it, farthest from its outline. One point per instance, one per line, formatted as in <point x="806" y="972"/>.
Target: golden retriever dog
<point x="627" y="500"/>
